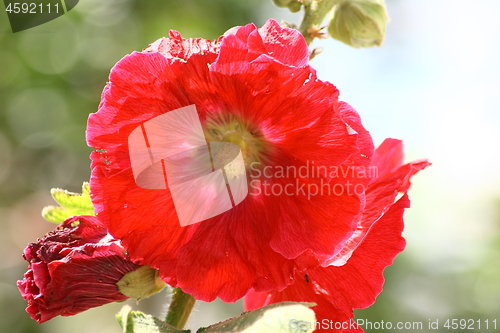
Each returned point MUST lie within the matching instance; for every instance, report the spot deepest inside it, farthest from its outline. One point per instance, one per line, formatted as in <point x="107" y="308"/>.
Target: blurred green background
<point x="434" y="83"/>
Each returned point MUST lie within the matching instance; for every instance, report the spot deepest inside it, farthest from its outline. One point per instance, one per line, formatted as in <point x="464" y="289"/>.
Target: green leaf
<point x="285" y="317"/>
<point x="138" y="322"/>
<point x="124" y="320"/>
<point x="71" y="204"/>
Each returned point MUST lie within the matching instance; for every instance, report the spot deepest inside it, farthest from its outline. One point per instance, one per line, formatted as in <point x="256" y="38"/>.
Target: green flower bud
<point x="359" y="23"/>
<point x="282" y="3"/>
<point x="141" y="283"/>
<point x="294" y="6"/>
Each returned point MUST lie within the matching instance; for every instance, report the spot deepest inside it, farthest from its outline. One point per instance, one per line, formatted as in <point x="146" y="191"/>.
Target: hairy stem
<point x="315" y="12"/>
<point x="180" y="308"/>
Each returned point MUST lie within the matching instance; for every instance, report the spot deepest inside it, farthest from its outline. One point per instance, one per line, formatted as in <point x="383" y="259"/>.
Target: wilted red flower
<point x="72" y="269"/>
<point x="353" y="278"/>
<point x="252" y="87"/>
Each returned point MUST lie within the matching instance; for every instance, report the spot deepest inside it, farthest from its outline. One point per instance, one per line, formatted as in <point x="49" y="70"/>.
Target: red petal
<point x="389" y="156"/>
<point x="145" y="220"/>
<point x="74" y="231"/>
<point x="339" y="290"/>
<point x="364" y="139"/>
<point x="254" y="300"/>
<point x="229" y="255"/>
<point x="177" y="47"/>
<point x="389" y="179"/>
<point x="288" y="46"/>
<point x="271" y="43"/>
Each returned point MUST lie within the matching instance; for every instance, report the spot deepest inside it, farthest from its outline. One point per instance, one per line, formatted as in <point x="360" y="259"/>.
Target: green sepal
<point x="70" y="204"/>
<point x="138" y="322"/>
<point x="141" y="283"/>
<point x="285" y="317"/>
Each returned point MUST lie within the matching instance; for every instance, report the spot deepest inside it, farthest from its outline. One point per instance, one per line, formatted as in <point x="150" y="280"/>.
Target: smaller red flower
<point x="72" y="269"/>
<point x="353" y="278"/>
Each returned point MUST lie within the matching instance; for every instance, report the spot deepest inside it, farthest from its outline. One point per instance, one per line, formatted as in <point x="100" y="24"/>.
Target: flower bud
<point x="282" y="3"/>
<point x="79" y="266"/>
<point x="359" y="23"/>
<point x="292" y="5"/>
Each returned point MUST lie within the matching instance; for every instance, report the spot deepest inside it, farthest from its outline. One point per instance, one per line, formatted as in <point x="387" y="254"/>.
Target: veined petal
<point x="337" y="291"/>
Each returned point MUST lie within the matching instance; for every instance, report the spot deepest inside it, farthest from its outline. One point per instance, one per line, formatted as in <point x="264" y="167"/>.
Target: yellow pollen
<point x="236" y="139"/>
<point x="227" y="128"/>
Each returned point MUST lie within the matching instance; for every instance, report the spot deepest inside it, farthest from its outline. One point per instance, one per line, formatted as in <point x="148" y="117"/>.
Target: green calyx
<point x="141" y="283"/>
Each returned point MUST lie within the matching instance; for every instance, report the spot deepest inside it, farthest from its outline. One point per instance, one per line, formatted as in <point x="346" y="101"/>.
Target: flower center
<point x="228" y="128"/>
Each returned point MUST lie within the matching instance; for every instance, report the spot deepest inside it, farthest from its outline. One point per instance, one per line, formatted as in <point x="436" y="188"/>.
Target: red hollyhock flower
<point x="252" y="87"/>
<point x="72" y="269"/>
<point x="353" y="278"/>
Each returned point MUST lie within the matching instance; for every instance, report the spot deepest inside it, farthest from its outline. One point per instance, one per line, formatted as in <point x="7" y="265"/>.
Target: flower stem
<point x="315" y="12"/>
<point x="180" y="308"/>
